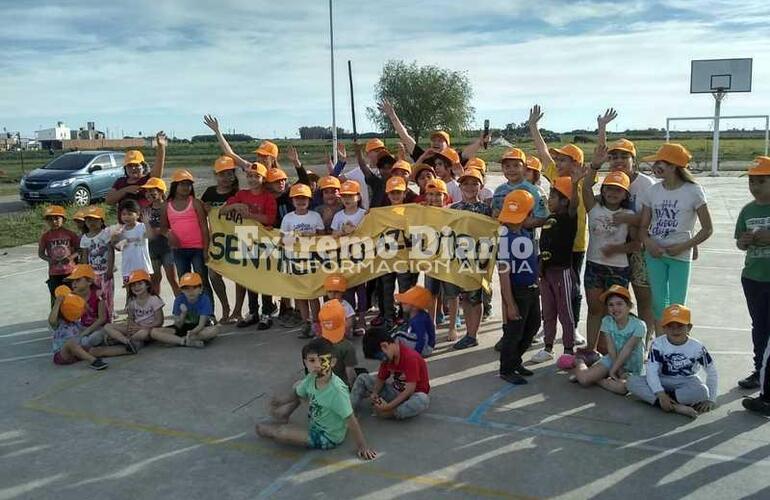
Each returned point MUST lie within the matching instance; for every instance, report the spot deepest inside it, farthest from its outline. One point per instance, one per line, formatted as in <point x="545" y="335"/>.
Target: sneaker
<point x="542" y="356"/>
<point x="513" y="378"/>
<point x="265" y="322"/>
<point x="249" y="320"/>
<point x="440" y="318"/>
<point x="284" y="318"/>
<point x="757" y="405"/>
<point x="498" y="345"/>
<point x="465" y="343"/>
<point x="572" y="378"/>
<point x="524" y="372"/>
<point x="130" y="347"/>
<point x="539" y="337"/>
<point x="98" y="364"/>
<point x="750" y="382"/>
<point x="486" y="314"/>
<point x="579" y="339"/>
<point x="306" y="332"/>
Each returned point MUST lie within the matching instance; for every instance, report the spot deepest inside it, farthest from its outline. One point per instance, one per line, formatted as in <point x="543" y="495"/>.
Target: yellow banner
<point x="451" y="245"/>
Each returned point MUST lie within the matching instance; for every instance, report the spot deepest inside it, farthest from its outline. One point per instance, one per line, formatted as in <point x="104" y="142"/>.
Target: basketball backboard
<point x="720" y="75"/>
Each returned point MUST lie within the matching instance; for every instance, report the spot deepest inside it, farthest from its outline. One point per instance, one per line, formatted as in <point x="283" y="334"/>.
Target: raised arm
<point x="160" y="155"/>
<point x="535" y="114"/>
<point x="362" y="161"/>
<point x="409" y="142"/>
<point x="212" y="123"/>
<point x="589" y="178"/>
<point x="577" y="175"/>
<point x="473" y="148"/>
<point x="302" y="176"/>
<point x="602" y="121"/>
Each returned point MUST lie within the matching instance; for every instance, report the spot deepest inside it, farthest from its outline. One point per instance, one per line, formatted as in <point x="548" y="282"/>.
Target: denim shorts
<point x="452" y="291"/>
<point x="599" y="276"/>
<point x="160" y="253"/>
<point x="319" y="440"/>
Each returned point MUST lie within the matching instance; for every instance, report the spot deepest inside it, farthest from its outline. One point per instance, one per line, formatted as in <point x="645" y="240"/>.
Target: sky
<point x="262" y="67"/>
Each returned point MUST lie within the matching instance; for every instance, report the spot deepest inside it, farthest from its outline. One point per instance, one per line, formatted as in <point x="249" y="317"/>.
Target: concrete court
<point x="178" y="423"/>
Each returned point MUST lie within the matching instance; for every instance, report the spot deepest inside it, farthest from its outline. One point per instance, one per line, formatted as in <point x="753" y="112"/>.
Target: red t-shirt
<point x="57" y="244"/>
<point x="410" y="368"/>
<point x="260" y="203"/>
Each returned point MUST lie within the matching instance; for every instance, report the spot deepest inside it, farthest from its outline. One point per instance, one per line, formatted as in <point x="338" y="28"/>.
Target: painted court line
<point x="286" y="478"/>
<point x="21" y="358"/>
<point x="23" y="332"/>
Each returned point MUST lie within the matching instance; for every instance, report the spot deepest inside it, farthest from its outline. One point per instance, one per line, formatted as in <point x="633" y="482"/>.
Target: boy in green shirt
<point x="330" y="413"/>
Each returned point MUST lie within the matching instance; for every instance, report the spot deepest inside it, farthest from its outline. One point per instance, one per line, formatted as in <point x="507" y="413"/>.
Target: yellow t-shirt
<point x="581" y="238"/>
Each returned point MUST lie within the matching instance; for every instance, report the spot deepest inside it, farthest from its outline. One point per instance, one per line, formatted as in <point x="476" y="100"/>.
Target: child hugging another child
<point x="97" y="251"/>
<point x="330" y="412"/>
<point x="625" y="334"/>
<point x="193" y="316"/>
<point x="420" y="332"/>
<point x="145" y="312"/>
<point x="672" y="381"/>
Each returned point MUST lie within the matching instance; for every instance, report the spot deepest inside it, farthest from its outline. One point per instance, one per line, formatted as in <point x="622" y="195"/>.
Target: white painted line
<point x="724" y="328"/>
<point x="287" y="477"/>
<point x="41" y="339"/>
<point x="11" y="275"/>
<point x="23" y="332"/>
<point x="21" y="358"/>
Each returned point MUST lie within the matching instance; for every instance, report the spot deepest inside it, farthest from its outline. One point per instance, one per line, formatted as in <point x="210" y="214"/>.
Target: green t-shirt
<point x="754" y="217"/>
<point x="619" y="336"/>
<point x="329" y="408"/>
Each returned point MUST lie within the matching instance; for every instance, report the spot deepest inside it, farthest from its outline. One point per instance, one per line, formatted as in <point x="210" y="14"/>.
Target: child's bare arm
<point x="602" y="121"/>
<point x="535" y="114"/>
<point x="212" y="123"/>
<point x="621" y="357"/>
<point x="364" y="452"/>
<point x="406" y="139"/>
<point x="53" y="317"/>
<point x="160" y="155"/>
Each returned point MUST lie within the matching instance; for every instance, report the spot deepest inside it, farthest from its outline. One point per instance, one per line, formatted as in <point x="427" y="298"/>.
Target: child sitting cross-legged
<point x="193" y="316"/>
<point x="331" y="414"/>
<point x="672" y="381"/>
<point x="407" y="395"/>
<point x="420" y="332"/>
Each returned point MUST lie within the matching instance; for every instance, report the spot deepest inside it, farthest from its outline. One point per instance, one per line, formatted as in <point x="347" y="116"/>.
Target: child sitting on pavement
<point x="407" y="395"/>
<point x="420" y="332"/>
<point x="331" y="414"/>
<point x="672" y="367"/>
<point x="193" y="316"/>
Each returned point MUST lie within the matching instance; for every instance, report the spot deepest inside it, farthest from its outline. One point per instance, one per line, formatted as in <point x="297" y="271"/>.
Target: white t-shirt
<point x="309" y="223"/>
<point x="340" y="218"/>
<point x="602" y="232"/>
<point x="640" y="185"/>
<point x="674" y="213"/>
<point x="454" y="191"/>
<point x="98" y="249"/>
<point x="136" y="250"/>
<point x="357" y="175"/>
<point x="144" y="314"/>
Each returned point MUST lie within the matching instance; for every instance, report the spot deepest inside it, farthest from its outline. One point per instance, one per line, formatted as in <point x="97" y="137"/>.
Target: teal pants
<point x="669" y="279"/>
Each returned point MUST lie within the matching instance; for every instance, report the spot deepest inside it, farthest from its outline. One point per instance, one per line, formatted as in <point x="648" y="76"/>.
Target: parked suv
<point x="75" y="178"/>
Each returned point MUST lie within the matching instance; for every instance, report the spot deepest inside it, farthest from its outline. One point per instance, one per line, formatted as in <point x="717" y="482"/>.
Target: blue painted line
<point x="478" y="413"/>
<point x="286" y="477"/>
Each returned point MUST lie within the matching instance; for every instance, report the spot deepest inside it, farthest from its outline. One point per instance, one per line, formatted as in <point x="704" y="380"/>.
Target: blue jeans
<point x="191" y="259"/>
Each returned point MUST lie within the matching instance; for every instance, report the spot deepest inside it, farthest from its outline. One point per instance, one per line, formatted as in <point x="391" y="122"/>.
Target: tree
<point x="425" y="97"/>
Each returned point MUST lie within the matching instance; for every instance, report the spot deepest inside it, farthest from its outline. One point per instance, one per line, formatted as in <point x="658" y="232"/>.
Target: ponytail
<point x="685" y="175"/>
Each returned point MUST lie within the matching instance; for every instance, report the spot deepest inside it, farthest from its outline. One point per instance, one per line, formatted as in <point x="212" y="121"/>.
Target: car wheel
<point x="81" y="197"/>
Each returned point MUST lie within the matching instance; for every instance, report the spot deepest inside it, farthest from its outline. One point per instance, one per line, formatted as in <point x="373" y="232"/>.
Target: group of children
<point x="636" y="232"/>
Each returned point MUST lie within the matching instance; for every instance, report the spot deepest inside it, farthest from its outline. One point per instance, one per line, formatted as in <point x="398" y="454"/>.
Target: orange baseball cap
<point x="300" y="190"/>
<point x="676" y="313"/>
<point x="436" y="186"/>
<point x="181" y="174"/>
<point x="471" y="173"/>
<point x="533" y="163"/>
<point x="275" y="175"/>
<point x="332" y="319"/>
<point x="267" y="148"/>
<point x="82" y="271"/>
<point x="761" y="166"/>
<point x="73" y="307"/>
<point x="395" y="183"/>
<point x="417" y="296"/>
<point x="563" y="185"/>
<point x="79" y="214"/>
<point x="442" y="134"/>
<point x="158" y="183"/>
<point x="516" y="207"/>
<point x="419" y="167"/>
<point x="335" y="283"/>
<point x="623" y="145"/>
<point x="190" y="280"/>
<point x="618" y="179"/>
<point x="477" y="163"/>
<point x="402" y="165"/>
<point x="259" y="169"/>
<point x="133" y="156"/>
<point x="329" y="181"/>
<point x="672" y="153"/>
<point x="450" y="155"/>
<point x="374" y="145"/>
<point x="137" y="276"/>
<point x="55" y="211"/>
<point x="570" y="150"/>
<point x="615" y="290"/>
<point x="224" y="163"/>
<point x="94" y="212"/>
<point x="350" y="187"/>
<point x="61" y="291"/>
<point x="514" y="154"/>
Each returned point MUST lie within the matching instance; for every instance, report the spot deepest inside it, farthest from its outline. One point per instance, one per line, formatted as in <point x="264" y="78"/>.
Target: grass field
<point x="26" y="227"/>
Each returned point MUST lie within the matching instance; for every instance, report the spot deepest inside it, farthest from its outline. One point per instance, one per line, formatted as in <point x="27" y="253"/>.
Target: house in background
<point x="84" y="139"/>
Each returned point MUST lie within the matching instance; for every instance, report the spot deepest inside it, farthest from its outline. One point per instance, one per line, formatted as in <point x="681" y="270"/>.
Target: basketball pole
<point x="334" y="108"/>
<point x="718" y="96"/>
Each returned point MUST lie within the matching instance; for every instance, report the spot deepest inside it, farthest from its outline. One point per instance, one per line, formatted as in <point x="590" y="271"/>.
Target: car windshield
<point x="69" y="162"/>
